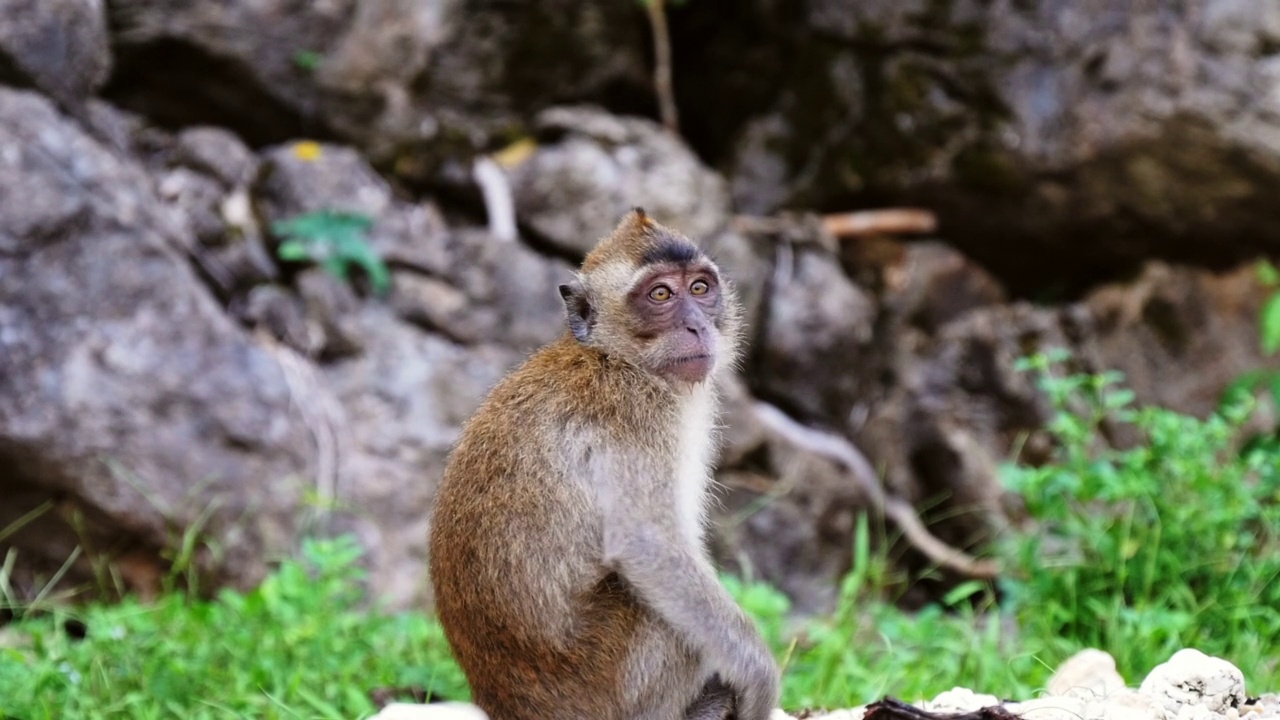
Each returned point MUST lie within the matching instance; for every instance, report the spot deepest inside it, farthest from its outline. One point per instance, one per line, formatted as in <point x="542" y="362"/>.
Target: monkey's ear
<point x="579" y="314"/>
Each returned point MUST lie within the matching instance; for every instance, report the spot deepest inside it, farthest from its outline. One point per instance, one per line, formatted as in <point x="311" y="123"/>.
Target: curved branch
<point x="840" y="450"/>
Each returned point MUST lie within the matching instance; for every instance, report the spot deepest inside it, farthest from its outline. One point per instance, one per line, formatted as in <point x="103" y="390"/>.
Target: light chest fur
<point x="697" y="443"/>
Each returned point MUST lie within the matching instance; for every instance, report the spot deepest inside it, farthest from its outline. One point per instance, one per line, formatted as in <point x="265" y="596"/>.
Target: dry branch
<point x="894" y="709"/>
<point x="662" y="86"/>
<point x="828" y="230"/>
<point x="842" y="451"/>
<point x="891" y="221"/>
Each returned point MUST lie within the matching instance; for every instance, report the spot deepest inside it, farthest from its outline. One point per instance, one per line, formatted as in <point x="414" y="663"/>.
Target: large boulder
<point x="137" y="414"/>
<point x="392" y="76"/>
<point x="591" y="167"/>
<point x="131" y="403"/>
<point x="1061" y="142"/>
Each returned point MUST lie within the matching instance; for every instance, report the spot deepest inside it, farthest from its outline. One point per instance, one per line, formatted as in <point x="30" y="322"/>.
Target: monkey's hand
<point x="753" y="676"/>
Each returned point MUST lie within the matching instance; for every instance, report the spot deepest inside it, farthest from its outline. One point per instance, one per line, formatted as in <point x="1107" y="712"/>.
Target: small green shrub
<point x="869" y="648"/>
<point x="336" y="240"/>
<point x="301" y="645"/>
<point x="1172" y="543"/>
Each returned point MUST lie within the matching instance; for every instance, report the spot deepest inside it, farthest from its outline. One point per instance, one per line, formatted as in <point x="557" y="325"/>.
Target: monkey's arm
<point x="644" y="545"/>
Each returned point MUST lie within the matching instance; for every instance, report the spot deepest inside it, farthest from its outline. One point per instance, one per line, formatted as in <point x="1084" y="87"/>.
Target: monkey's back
<point x="541" y="631"/>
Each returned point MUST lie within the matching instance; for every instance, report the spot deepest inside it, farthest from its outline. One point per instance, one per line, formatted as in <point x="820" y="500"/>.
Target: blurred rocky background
<point x="177" y="386"/>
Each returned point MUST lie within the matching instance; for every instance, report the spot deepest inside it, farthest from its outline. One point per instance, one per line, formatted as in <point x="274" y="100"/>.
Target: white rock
<point x="1191" y="679"/>
<point x="1051" y="708"/>
<point x="958" y="700"/>
<point x="1125" y="704"/>
<point x="1195" y="712"/>
<point x="1088" y="674"/>
<point x="850" y="714"/>
<point x="432" y="711"/>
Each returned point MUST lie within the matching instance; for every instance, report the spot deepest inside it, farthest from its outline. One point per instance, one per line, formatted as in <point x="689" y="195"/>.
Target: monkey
<point x="567" y="555"/>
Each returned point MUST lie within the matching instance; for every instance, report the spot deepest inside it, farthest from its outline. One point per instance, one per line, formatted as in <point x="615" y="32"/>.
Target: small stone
<point x="850" y="714"/>
<point x="1087" y="674"/>
<point x="433" y="711"/>
<point x="959" y="700"/>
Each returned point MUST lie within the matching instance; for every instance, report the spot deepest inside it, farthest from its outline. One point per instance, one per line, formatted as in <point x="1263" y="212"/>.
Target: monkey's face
<point x="674" y="310"/>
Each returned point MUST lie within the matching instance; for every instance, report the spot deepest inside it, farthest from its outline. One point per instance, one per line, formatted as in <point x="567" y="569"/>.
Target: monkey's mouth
<point x="690" y="368"/>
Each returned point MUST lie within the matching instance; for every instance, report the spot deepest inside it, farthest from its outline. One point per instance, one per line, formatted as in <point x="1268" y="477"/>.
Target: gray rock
<point x="593" y="167"/>
<point x="58" y="46"/>
<point x="816" y="339"/>
<point x="397" y="410"/>
<point x="1059" y="141"/>
<point x="126" y="394"/>
<point x="216" y="152"/>
<point x="305" y="177"/>
<point x="391" y="76"/>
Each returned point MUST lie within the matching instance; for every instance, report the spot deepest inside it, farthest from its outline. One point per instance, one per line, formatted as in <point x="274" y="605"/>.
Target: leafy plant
<point x="334" y="239"/>
<point x="301" y="645"/>
<point x="1172" y="543"/>
<point x="868" y="647"/>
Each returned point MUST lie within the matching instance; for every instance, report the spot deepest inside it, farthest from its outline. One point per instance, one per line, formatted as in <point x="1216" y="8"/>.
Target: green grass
<point x="298" y="646"/>
<point x="1173" y="542"/>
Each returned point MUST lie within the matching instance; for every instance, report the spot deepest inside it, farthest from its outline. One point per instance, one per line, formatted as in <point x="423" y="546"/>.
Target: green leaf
<point x="1271" y="324"/>
<point x="293" y="250"/>
<point x="1268" y="274"/>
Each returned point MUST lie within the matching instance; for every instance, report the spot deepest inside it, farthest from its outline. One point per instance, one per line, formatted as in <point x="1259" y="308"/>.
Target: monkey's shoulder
<point x="574" y="383"/>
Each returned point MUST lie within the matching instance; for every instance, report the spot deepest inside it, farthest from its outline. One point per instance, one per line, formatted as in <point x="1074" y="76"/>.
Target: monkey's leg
<point x="662" y="678"/>
<point x="715" y="702"/>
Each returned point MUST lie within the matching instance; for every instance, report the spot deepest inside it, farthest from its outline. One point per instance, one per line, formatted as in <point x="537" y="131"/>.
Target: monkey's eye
<point x="699" y="287"/>
<point x="661" y="293"/>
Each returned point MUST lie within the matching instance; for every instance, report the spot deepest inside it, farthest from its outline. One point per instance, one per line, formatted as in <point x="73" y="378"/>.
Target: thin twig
<point x="662" y="65"/>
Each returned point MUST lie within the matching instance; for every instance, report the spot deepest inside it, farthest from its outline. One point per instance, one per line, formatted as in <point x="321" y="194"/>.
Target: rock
<point x="1088" y="674"/>
<point x="434" y="711"/>
<point x="959" y="700"/>
<point x="130" y="399"/>
<point x="239" y="65"/>
<point x="332" y="308"/>
<point x="1053" y="708"/>
<point x="932" y="284"/>
<point x="1177" y="317"/>
<point x="592" y="167"/>
<point x="852" y="714"/>
<point x="282" y="315"/>
<point x="1061" y="143"/>
<point x="1190" y="679"/>
<point x="395" y="411"/>
<point x="305" y="177"/>
<point x="60" y="47"/>
<point x="392" y="76"/>
<point x="816" y="340"/>
<point x="216" y="153"/>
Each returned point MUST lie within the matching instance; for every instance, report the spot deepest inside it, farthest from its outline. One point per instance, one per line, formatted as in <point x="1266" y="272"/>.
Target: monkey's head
<point x="648" y="295"/>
